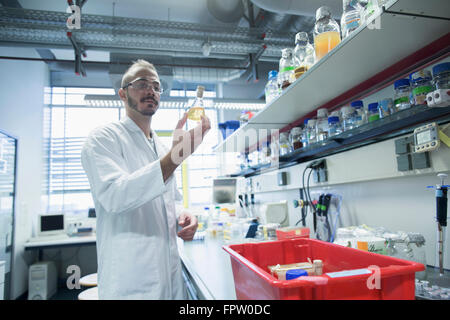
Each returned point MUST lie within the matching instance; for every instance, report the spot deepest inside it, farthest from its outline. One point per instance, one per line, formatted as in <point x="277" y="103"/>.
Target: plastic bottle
<point x="305" y="133"/>
<point x="334" y="126"/>
<point x="441" y="76"/>
<point x="295" y="138"/>
<point x="322" y="125"/>
<point x="421" y="85"/>
<point x="286" y="74"/>
<point x="311" y="130"/>
<point x="304" y="54"/>
<point x="373" y="114"/>
<point x="351" y="17"/>
<point x="272" y="89"/>
<point x="360" y="117"/>
<point x="402" y="94"/>
<point x="348" y="118"/>
<point x="327" y="33"/>
<point x="197" y="109"/>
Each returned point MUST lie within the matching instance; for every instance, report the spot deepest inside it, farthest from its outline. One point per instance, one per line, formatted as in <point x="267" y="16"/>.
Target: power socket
<point x="320" y="171"/>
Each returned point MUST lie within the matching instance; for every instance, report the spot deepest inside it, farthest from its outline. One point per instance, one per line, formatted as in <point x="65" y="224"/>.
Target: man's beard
<point x="133" y="105"/>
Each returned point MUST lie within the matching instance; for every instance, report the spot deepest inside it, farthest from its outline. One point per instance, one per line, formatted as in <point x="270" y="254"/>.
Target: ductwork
<point x="226" y="11"/>
<point x="206" y="75"/>
<point x="301" y="8"/>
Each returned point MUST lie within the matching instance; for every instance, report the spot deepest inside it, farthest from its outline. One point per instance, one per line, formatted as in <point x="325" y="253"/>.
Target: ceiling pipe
<point x="301" y="8"/>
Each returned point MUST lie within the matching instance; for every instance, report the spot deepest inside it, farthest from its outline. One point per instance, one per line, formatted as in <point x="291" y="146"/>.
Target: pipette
<point x="441" y="217"/>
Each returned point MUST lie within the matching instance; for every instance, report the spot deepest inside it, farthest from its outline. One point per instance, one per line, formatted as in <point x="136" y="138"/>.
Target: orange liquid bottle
<point x="325" y="42"/>
<point x="327" y="33"/>
<point x="197" y="110"/>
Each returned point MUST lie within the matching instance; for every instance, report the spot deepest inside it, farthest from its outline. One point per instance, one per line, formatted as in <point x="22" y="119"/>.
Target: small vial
<point x="317" y="265"/>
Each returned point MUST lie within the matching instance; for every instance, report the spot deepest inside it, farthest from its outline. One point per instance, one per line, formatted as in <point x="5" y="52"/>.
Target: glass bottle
<point x="372" y="8"/>
<point x="285" y="145"/>
<point x="402" y="94"/>
<point x="334" y="126"/>
<point x="327" y="33"/>
<point x="312" y="137"/>
<point x="322" y="125"/>
<point x="305" y="133"/>
<point x="295" y="137"/>
<point x="286" y="74"/>
<point x="361" y="117"/>
<point x="441" y="76"/>
<point x="272" y="90"/>
<point x="348" y="118"/>
<point x="351" y="17"/>
<point x="373" y="113"/>
<point x="304" y="54"/>
<point x="197" y="109"/>
<point x="421" y="85"/>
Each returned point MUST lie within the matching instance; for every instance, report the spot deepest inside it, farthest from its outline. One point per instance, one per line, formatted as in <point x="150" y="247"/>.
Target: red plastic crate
<point x="252" y="278"/>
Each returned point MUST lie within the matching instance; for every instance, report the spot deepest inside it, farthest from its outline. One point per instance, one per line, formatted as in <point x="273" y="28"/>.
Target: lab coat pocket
<point x="136" y="267"/>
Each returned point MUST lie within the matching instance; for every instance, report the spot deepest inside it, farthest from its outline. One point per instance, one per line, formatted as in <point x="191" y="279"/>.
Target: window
<point x="68" y="121"/>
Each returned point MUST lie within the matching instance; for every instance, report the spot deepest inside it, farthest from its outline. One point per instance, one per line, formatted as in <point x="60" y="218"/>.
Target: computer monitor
<point x="51" y="224"/>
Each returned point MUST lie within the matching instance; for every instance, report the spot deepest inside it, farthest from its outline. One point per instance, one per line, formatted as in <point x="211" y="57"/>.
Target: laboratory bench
<point x="207" y="269"/>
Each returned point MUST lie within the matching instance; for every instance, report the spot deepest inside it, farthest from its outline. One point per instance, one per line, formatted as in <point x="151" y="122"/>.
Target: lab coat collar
<point x="131" y="125"/>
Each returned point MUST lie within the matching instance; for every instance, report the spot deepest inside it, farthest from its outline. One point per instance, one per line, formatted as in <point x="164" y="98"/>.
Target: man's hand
<point x="184" y="144"/>
<point x="189" y="224"/>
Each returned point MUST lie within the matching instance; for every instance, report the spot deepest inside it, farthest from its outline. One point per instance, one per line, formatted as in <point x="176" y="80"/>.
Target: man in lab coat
<point x="131" y="177"/>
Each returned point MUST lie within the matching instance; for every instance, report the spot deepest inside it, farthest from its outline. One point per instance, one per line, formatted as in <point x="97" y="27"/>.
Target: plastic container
<point x="402" y="94"/>
<point x="272" y="90"/>
<point x="348" y="115"/>
<point x="386" y="108"/>
<point x="295" y="137"/>
<point x="295" y="273"/>
<point x="223" y="129"/>
<point x="231" y="126"/>
<point x="345" y="272"/>
<point x="334" y="126"/>
<point x="286" y="74"/>
<point x="441" y="76"/>
<point x="327" y="33"/>
<point x="373" y="114"/>
<point x="322" y="125"/>
<point x="360" y="117"/>
<point x="304" y="54"/>
<point x="292" y="232"/>
<point x="421" y="85"/>
<point x="351" y="17"/>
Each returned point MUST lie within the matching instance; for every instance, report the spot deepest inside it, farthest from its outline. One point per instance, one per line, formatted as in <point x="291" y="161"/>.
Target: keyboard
<point x="49" y="238"/>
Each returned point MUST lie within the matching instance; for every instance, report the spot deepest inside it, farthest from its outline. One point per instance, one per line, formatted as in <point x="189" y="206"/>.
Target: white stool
<point x="89" y="280"/>
<point x="89" y="294"/>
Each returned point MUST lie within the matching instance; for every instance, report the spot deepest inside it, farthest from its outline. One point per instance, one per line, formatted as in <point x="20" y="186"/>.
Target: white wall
<point x="374" y="192"/>
<point x="21" y="103"/>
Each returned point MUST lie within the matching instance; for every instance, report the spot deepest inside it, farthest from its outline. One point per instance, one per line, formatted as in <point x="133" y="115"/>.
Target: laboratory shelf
<point x="402" y="37"/>
<point x="400" y="123"/>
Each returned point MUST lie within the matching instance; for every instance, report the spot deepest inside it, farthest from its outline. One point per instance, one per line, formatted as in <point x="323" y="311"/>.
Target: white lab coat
<point x="136" y="217"/>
